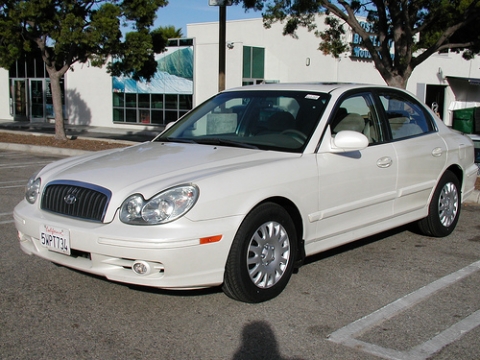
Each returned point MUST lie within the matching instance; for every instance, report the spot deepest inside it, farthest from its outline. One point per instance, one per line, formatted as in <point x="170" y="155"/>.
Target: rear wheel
<point x="262" y="255"/>
<point x="444" y="209"/>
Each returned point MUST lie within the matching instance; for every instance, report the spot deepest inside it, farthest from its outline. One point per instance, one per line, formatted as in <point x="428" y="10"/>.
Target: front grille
<point x="76" y="199"/>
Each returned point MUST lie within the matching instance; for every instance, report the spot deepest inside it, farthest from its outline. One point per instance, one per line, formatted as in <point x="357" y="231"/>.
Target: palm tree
<point x="169" y="32"/>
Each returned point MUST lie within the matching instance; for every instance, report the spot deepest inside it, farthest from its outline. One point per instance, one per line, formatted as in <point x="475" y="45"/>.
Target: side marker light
<point x="210" y="239"/>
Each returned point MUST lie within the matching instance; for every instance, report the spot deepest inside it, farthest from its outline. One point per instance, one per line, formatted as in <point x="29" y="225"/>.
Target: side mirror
<point x="347" y="140"/>
<point x="169" y="125"/>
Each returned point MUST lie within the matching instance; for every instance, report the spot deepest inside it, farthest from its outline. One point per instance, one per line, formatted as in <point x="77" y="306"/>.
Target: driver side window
<point x="356" y="113"/>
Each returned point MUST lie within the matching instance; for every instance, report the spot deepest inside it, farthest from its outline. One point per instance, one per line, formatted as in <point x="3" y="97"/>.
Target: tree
<point x="169" y="32"/>
<point x="415" y="29"/>
<point x="70" y="31"/>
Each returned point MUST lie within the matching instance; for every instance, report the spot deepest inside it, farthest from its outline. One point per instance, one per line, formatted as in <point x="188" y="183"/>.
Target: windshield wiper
<point x="179" y="140"/>
<point x="218" y="141"/>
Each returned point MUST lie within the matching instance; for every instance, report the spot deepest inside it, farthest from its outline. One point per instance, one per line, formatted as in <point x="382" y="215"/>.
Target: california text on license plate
<point x="55" y="239"/>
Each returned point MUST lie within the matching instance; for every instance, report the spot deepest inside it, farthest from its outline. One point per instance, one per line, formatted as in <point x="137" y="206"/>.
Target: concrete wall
<point x="4" y="96"/>
<point x="88" y="96"/>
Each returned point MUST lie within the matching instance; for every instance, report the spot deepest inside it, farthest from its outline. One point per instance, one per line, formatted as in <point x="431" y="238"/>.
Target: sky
<point x="179" y="13"/>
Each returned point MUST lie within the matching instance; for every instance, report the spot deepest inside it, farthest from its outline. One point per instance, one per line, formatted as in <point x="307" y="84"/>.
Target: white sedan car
<point x="245" y="186"/>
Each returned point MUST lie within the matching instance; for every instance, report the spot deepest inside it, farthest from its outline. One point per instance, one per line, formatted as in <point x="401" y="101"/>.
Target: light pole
<point x="222" y="42"/>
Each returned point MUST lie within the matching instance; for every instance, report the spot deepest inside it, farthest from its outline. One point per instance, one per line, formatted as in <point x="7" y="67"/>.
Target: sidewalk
<point x="140" y="135"/>
<point x="113" y="134"/>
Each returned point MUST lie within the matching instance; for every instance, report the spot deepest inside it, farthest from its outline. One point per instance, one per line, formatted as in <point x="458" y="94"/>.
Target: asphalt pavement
<point x="395" y="295"/>
<point x="113" y="134"/>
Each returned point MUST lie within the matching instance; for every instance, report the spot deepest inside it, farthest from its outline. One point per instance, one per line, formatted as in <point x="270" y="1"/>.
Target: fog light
<point x="141" y="267"/>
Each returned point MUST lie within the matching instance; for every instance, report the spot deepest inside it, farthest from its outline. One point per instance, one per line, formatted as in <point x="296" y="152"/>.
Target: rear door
<point x="421" y="153"/>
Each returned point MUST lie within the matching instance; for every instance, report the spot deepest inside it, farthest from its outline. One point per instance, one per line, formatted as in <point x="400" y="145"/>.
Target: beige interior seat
<point x="353" y="122"/>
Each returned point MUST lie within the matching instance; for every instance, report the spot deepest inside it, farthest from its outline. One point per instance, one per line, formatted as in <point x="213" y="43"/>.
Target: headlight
<point x="32" y="189"/>
<point x="165" y="207"/>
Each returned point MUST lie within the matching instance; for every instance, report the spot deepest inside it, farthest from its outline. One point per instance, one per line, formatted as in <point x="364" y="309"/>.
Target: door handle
<point x="384" y="162"/>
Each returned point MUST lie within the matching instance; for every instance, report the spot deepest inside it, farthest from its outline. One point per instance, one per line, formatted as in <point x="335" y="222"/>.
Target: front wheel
<point x="262" y="255"/>
<point x="444" y="209"/>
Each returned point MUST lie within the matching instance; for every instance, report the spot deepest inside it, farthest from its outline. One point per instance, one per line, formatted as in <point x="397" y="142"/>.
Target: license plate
<point x="55" y="239"/>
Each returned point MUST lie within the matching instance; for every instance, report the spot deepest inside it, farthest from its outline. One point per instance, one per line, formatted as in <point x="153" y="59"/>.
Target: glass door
<point x="37" y="101"/>
<point x="19" y="100"/>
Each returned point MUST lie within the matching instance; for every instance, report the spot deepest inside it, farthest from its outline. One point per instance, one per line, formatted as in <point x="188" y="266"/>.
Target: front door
<point x="366" y="178"/>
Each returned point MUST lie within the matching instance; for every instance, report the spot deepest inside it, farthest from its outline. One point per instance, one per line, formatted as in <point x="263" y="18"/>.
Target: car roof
<point x="326" y="87"/>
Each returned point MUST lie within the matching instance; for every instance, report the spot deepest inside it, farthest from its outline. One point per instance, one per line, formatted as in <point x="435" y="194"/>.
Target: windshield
<point x="268" y="120"/>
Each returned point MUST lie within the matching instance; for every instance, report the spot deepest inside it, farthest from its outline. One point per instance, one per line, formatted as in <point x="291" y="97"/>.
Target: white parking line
<point x="12" y="186"/>
<point x="346" y="335"/>
<point x="22" y="165"/>
<point x="14" y="155"/>
<point x="9" y="221"/>
<point x="7" y="182"/>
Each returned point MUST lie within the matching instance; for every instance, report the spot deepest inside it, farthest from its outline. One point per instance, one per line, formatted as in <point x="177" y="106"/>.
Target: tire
<point x="444" y="209"/>
<point x="262" y="255"/>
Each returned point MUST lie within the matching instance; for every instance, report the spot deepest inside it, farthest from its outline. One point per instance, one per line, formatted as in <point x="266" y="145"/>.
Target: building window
<point x="253" y="65"/>
<point x="166" y="97"/>
<point x="158" y="109"/>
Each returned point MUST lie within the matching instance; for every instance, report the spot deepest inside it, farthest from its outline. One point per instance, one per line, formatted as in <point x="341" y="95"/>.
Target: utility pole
<point x="222" y="39"/>
<point x="222" y="43"/>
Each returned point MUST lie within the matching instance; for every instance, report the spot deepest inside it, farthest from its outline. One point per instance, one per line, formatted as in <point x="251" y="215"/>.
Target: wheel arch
<point x="444" y="205"/>
<point x="458" y="172"/>
<point x="294" y="213"/>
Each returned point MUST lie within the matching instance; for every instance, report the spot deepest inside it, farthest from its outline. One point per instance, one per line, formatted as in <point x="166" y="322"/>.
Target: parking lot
<point x="397" y="295"/>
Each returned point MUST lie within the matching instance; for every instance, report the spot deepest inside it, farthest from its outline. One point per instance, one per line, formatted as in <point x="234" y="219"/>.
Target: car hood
<point x="152" y="167"/>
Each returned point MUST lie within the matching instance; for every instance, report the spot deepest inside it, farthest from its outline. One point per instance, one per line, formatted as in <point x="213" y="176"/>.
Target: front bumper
<point x="173" y="251"/>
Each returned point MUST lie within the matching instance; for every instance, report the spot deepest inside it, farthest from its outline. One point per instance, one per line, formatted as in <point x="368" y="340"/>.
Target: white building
<point x="289" y="59"/>
<point x="190" y="75"/>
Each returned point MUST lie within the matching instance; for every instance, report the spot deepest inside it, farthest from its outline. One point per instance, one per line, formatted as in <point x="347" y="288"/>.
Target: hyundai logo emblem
<point x="70" y="199"/>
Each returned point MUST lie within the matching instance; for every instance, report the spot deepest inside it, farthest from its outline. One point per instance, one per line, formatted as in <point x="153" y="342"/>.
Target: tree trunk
<point x="57" y="102"/>
<point x="392" y="76"/>
<point x="396" y="81"/>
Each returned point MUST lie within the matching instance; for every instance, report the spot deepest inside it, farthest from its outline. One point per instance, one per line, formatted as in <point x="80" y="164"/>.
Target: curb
<point x="473" y="198"/>
<point x="48" y="150"/>
<point x="35" y="149"/>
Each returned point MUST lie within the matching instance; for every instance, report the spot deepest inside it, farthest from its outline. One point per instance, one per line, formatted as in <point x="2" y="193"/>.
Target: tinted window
<point x="405" y="117"/>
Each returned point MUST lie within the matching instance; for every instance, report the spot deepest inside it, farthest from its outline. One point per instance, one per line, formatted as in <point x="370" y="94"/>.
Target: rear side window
<point x="405" y="117"/>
